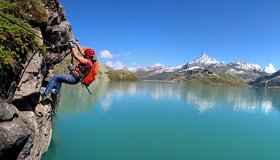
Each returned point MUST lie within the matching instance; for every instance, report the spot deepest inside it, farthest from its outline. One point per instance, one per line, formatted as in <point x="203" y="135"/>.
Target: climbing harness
<point x="85" y="77"/>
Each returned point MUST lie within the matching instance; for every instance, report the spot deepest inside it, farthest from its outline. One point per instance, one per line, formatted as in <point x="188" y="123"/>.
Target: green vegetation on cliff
<point x="30" y="10"/>
<point x="15" y="42"/>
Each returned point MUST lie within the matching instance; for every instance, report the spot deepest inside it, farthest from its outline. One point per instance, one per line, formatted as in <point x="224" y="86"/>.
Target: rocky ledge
<point x="24" y="134"/>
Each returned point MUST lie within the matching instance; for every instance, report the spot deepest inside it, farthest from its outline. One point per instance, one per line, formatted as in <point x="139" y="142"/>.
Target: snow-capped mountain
<point x="157" y="68"/>
<point x="246" y="72"/>
<point x="240" y="65"/>
<point x="135" y="69"/>
<point x="157" y="72"/>
<point x="204" y="61"/>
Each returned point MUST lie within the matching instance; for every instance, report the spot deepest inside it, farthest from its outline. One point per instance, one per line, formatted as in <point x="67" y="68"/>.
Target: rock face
<point x="197" y="73"/>
<point x="269" y="81"/>
<point x="26" y="120"/>
<point x="24" y="134"/>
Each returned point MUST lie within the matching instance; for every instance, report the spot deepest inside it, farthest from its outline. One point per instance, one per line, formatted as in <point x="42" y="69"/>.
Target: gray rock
<point x="8" y="112"/>
<point x="39" y="124"/>
<point x="27" y="135"/>
<point x="13" y="133"/>
<point x="30" y="79"/>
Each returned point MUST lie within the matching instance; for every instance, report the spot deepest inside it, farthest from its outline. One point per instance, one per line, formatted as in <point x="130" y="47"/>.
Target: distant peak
<point x="240" y="62"/>
<point x="158" y="65"/>
<point x="204" y="56"/>
<point x="247" y="66"/>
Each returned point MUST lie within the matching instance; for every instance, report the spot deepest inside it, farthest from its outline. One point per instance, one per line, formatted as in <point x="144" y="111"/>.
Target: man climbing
<point x="86" y="61"/>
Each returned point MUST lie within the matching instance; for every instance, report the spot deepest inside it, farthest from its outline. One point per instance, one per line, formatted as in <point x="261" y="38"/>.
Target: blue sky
<point x="174" y="32"/>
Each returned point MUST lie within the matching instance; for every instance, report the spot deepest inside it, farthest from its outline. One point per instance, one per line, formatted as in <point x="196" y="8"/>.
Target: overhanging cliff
<point x="25" y="120"/>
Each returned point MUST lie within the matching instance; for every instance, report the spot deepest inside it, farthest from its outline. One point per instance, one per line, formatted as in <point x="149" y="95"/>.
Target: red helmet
<point x="89" y="52"/>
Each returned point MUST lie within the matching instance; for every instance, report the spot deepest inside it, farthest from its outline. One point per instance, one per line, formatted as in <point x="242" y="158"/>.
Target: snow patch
<point x="247" y="67"/>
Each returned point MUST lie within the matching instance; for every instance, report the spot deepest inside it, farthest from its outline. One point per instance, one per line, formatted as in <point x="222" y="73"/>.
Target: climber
<point x="76" y="74"/>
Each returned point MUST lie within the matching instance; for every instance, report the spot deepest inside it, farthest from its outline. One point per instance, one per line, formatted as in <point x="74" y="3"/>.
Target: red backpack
<point x="89" y="77"/>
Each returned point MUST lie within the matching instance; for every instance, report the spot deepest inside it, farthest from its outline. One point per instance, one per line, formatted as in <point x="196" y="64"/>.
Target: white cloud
<point x="270" y="68"/>
<point x="117" y="65"/>
<point x="106" y="54"/>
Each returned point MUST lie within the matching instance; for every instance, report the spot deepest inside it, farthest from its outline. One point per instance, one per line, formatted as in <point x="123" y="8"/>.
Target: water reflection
<point x="266" y="106"/>
<point x="106" y="102"/>
<point x="75" y="98"/>
<point x="203" y="97"/>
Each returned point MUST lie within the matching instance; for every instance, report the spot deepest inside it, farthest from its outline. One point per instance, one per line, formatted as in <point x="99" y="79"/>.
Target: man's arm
<point x="80" y="48"/>
<point x="77" y="57"/>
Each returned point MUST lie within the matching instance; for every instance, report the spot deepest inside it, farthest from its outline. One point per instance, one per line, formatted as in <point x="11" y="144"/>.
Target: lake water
<point x="166" y="121"/>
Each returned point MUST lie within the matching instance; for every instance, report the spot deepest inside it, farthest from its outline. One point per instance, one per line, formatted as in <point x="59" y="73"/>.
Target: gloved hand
<point x="73" y="40"/>
<point x="72" y="44"/>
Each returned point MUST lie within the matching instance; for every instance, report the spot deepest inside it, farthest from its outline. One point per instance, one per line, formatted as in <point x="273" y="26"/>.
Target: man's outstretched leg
<point x="56" y="83"/>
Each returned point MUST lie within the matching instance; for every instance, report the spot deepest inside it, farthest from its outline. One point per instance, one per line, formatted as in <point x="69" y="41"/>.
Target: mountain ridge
<point x="269" y="81"/>
<point x="246" y="72"/>
<point x="203" y="61"/>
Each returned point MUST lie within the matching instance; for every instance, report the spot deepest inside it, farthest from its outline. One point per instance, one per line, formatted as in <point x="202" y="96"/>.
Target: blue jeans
<point x="57" y="80"/>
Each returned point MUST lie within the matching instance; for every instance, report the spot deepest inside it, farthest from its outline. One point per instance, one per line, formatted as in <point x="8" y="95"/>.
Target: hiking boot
<point x="44" y="97"/>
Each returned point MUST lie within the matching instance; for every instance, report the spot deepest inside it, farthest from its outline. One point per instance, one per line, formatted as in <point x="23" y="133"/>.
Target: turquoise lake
<point x="166" y="121"/>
